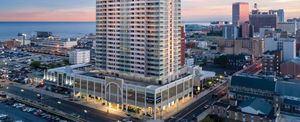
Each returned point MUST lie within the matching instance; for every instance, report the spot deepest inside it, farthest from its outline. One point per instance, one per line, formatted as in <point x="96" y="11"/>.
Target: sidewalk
<point x="88" y="103"/>
<point x="172" y="111"/>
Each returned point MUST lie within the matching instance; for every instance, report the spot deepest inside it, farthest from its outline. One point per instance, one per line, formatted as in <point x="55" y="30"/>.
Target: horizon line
<point x="192" y="21"/>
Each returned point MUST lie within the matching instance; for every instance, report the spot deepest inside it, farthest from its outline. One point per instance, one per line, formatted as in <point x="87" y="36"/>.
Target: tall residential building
<point x="139" y="38"/>
<point x="240" y="13"/>
<point x="138" y="59"/>
<point x="183" y="47"/>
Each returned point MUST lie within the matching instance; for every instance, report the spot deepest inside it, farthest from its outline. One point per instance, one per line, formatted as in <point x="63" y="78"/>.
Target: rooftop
<point x="255" y="82"/>
<point x="90" y="71"/>
<point x="260" y="105"/>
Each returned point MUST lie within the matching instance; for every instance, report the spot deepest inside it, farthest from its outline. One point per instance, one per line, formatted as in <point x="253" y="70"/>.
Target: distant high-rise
<point x="240" y="13"/>
<point x="263" y="21"/>
<point x="246" y="30"/>
<point x="140" y="38"/>
<point x="281" y="16"/>
<point x="279" y="13"/>
<point x="230" y="32"/>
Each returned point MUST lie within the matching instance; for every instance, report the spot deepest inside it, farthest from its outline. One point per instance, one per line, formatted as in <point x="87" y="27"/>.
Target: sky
<point x="84" y="10"/>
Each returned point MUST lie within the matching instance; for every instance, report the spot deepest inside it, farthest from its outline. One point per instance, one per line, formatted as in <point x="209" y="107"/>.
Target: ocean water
<point x="9" y="30"/>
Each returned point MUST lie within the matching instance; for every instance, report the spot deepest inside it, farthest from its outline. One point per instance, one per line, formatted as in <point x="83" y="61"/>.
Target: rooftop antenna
<point x="255" y="6"/>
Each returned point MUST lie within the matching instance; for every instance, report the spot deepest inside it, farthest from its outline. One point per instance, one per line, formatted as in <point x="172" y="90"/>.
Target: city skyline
<point x="84" y="10"/>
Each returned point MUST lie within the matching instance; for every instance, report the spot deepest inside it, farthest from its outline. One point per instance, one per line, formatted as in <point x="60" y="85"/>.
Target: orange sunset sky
<point x="84" y="10"/>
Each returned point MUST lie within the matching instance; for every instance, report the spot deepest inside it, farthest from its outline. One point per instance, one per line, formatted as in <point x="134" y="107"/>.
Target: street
<point x="84" y="112"/>
<point x="196" y="108"/>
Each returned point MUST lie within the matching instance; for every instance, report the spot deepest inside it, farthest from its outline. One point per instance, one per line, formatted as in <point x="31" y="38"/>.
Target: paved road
<point x="196" y="108"/>
<point x="92" y="115"/>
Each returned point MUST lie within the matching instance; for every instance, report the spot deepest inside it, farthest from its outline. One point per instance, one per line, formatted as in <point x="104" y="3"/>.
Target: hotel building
<point x="138" y="59"/>
<point x="240" y="13"/>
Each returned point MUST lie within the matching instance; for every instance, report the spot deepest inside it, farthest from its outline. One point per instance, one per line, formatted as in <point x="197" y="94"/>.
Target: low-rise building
<point x="11" y="44"/>
<point x="79" y="56"/>
<point x="239" y="61"/>
<point x="245" y="87"/>
<point x="290" y="97"/>
<point x="56" y="42"/>
<point x="190" y="62"/>
<point x="121" y="92"/>
<point x="254" y="110"/>
<point x="289" y="27"/>
<point x="291" y="68"/>
<point x="287" y="45"/>
<point x="253" y="47"/>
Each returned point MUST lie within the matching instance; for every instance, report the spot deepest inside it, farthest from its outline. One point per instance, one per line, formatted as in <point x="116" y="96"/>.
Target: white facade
<point x="202" y="44"/>
<point x="190" y="62"/>
<point x="79" y="56"/>
<point x="22" y="38"/>
<point x="123" y="93"/>
<point x="24" y="42"/>
<point x="270" y="44"/>
<point x="140" y="38"/>
<point x="287" y="45"/>
<point x="57" y="43"/>
<point x="289" y="49"/>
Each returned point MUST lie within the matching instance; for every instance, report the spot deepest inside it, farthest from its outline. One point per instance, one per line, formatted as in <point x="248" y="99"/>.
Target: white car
<point x="206" y="106"/>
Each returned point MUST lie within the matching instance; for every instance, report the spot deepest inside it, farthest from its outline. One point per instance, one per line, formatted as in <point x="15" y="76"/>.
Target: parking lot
<point x="9" y="113"/>
<point x="11" y="110"/>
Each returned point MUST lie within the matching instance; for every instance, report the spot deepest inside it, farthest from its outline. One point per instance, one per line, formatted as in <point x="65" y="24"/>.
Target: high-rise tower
<point x="240" y="13"/>
<point x="139" y="37"/>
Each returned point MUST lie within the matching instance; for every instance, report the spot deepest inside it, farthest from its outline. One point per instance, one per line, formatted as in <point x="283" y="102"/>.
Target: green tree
<point x="207" y="119"/>
<point x="35" y="64"/>
<point x="66" y="61"/>
<point x="221" y="61"/>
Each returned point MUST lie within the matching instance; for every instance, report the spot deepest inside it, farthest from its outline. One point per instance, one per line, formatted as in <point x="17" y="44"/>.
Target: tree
<point x="221" y="61"/>
<point x="66" y="61"/>
<point x="35" y="64"/>
<point x="207" y="119"/>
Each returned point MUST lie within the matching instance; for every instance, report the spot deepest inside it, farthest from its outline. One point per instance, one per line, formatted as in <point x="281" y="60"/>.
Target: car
<point x="25" y="109"/>
<point x="206" y="106"/>
<point x="30" y="110"/>
<point x="3" y="116"/>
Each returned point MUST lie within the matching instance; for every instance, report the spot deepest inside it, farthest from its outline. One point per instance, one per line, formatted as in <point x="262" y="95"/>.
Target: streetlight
<point x="85" y="112"/>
